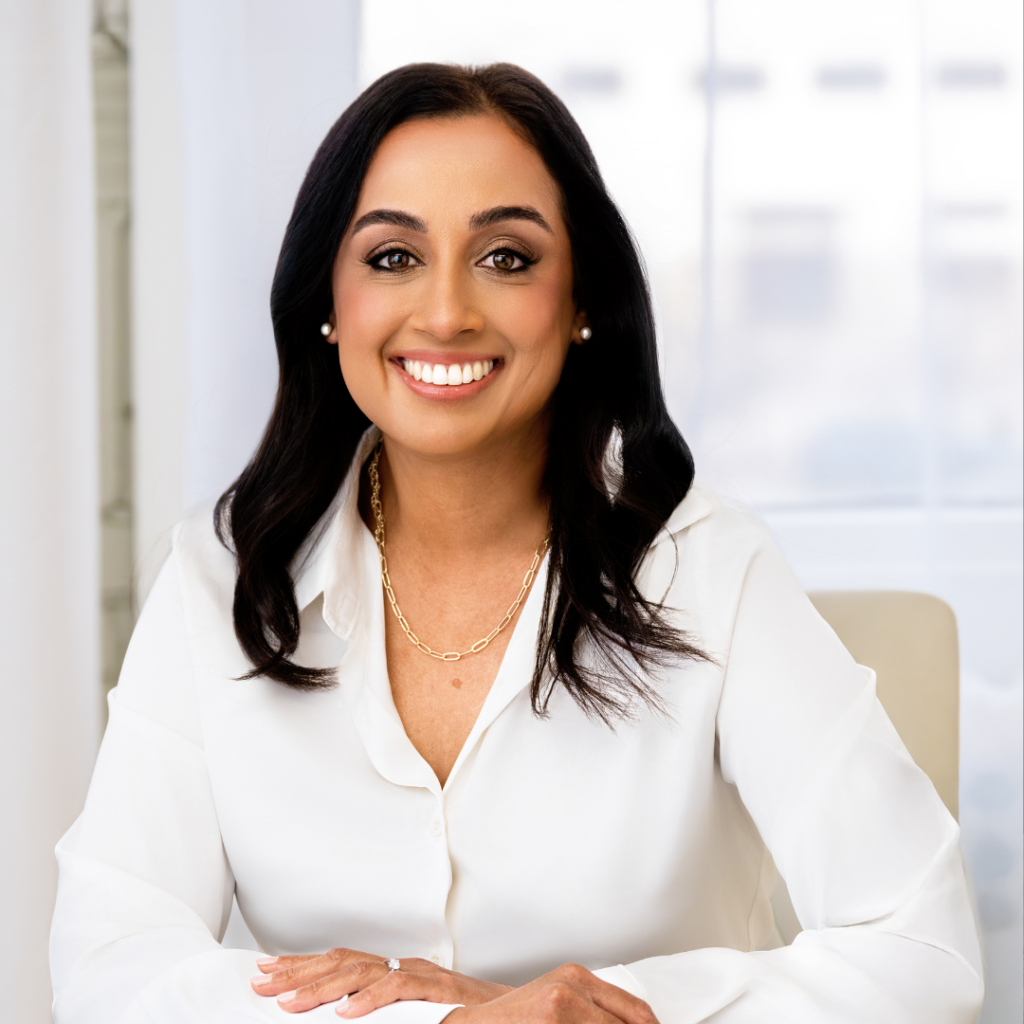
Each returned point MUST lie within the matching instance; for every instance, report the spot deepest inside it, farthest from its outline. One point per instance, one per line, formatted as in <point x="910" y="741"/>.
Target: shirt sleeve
<point x="870" y="854"/>
<point x="145" y="887"/>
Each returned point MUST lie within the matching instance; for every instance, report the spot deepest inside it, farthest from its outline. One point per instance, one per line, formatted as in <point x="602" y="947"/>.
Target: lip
<point x="445" y="392"/>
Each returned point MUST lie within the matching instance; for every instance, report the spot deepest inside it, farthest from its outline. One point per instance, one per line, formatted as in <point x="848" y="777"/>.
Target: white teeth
<point x="454" y="374"/>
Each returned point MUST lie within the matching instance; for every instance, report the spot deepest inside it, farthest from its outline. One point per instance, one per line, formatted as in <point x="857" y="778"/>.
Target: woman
<point x="346" y="704"/>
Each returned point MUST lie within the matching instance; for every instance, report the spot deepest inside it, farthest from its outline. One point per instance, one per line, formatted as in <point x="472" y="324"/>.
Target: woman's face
<point x="457" y="259"/>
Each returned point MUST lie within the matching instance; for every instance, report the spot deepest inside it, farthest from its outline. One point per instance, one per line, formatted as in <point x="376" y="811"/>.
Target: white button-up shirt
<point x="647" y="851"/>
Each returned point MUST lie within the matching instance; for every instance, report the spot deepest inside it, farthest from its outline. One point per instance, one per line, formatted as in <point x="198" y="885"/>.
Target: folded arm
<point x="869" y="853"/>
<point x="145" y="887"/>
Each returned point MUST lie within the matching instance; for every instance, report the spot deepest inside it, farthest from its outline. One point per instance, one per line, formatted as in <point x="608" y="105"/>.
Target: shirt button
<point x="435" y="827"/>
<point x="435" y="959"/>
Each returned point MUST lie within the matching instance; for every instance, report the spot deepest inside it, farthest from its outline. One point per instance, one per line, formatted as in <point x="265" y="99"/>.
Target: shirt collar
<point x="695" y="506"/>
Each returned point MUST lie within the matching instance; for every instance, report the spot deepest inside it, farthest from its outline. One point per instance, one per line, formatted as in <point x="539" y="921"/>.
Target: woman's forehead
<point x="454" y="167"/>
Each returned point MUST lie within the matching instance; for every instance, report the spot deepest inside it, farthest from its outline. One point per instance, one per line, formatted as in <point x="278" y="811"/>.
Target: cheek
<point x="536" y="319"/>
<point x="366" y="316"/>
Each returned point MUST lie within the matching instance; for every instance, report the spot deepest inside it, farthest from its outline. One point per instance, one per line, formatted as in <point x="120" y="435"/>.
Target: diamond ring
<point x="393" y="964"/>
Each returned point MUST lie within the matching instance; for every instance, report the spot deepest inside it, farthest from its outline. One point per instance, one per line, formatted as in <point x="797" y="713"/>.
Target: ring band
<point x="393" y="964"/>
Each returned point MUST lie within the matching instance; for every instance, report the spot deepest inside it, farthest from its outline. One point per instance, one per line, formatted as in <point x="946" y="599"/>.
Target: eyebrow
<point x="499" y="213"/>
<point x="484" y="219"/>
<point x="396" y="218"/>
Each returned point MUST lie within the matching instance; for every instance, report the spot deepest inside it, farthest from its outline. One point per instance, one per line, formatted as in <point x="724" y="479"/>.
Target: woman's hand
<point x="570" y="994"/>
<point x="363" y="982"/>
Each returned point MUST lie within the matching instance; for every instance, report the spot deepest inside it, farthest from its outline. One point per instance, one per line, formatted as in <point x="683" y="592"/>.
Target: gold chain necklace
<point x="378" y="536"/>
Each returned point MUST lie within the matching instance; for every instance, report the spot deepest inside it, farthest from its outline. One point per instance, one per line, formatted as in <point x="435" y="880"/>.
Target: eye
<point x="506" y="260"/>
<point x="393" y="259"/>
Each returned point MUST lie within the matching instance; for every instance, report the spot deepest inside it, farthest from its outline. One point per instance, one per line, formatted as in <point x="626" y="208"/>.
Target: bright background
<point x="828" y="197"/>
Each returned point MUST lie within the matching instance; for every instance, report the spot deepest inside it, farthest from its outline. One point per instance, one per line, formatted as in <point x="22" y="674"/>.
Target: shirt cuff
<point x="622" y="977"/>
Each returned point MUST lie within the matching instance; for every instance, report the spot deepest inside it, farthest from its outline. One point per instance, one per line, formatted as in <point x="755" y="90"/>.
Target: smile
<point x="453" y="375"/>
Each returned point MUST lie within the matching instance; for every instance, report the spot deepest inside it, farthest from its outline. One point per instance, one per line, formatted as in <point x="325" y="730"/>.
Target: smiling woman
<point x="451" y="210"/>
<point x="469" y="684"/>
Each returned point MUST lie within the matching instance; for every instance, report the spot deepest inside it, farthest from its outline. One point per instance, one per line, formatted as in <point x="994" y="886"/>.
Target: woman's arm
<point x="869" y="852"/>
<point x="145" y="887"/>
<point x="144" y="883"/>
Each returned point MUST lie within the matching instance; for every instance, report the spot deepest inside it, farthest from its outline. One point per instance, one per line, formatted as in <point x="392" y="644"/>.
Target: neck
<point x="456" y="506"/>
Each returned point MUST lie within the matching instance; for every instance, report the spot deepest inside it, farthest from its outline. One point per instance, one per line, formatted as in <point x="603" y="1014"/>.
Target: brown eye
<point x="506" y="261"/>
<point x="393" y="259"/>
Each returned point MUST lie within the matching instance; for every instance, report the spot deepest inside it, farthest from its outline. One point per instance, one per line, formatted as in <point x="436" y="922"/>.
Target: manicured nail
<point x="342" y="1005"/>
<point x="287" y="997"/>
<point x="264" y="960"/>
<point x="261" y="979"/>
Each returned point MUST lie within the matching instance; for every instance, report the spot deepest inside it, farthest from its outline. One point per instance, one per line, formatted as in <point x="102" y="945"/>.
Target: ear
<point x="332" y="338"/>
<point x="581" y="332"/>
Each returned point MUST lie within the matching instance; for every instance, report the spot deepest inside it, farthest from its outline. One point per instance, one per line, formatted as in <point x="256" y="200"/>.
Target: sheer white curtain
<point x="49" y="521"/>
<point x="229" y="102"/>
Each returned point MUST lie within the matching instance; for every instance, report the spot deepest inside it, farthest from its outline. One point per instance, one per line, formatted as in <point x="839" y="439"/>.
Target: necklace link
<point x="378" y="536"/>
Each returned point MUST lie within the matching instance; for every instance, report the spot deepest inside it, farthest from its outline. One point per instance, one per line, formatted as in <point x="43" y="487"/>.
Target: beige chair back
<point x="910" y="640"/>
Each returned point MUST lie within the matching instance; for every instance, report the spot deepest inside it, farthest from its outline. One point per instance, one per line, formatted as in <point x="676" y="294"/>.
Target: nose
<point x="448" y="308"/>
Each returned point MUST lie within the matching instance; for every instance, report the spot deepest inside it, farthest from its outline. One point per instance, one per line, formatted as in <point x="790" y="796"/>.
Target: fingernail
<point x="261" y="979"/>
<point x="264" y="960"/>
<point x="342" y="1005"/>
<point x="287" y="997"/>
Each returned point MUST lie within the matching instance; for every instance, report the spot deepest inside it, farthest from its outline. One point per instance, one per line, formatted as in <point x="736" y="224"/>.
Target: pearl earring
<point x="586" y="333"/>
<point x="325" y="330"/>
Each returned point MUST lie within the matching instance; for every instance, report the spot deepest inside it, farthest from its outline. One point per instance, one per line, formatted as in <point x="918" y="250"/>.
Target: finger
<point x="616" y="1001"/>
<point x="397" y="985"/>
<point x="622" y="1004"/>
<point x="310" y="969"/>
<point x="422" y="980"/>
<point x="564" y="1003"/>
<point x="270" y="964"/>
<point x="329" y="988"/>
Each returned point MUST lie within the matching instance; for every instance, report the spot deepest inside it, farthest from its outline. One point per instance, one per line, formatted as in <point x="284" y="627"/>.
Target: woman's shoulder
<point x="204" y="561"/>
<point x="702" y="557"/>
<point x="717" y="522"/>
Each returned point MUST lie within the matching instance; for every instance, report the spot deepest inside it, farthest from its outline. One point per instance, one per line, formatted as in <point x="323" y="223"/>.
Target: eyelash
<point x="374" y="261"/>
<point x="527" y="261"/>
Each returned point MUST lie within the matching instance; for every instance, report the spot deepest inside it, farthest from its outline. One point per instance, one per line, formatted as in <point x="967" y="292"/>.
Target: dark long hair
<point x="600" y="528"/>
